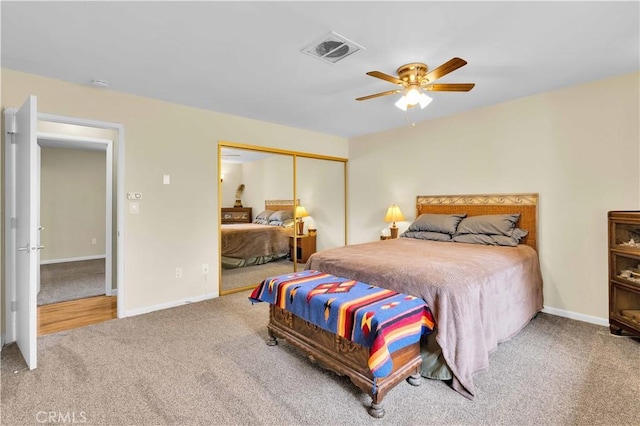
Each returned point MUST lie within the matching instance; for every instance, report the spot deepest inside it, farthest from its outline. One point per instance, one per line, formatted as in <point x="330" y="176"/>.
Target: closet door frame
<point x="294" y="155"/>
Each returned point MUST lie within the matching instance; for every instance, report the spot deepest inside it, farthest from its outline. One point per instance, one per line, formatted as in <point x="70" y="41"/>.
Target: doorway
<point x="75" y="217"/>
<point x="76" y="260"/>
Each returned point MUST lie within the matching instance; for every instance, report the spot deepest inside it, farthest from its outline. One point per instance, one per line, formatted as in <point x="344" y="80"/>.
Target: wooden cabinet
<point x="306" y="246"/>
<point x="624" y="272"/>
<point x="236" y="214"/>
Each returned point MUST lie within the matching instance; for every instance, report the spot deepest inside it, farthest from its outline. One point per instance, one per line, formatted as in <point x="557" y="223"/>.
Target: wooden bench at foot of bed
<point x="343" y="356"/>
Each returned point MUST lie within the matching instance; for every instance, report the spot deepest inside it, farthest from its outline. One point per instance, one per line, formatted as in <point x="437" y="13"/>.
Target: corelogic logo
<point x="61" y="417"/>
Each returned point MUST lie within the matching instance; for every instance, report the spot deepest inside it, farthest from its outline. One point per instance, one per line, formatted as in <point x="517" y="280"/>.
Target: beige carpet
<point x="207" y="364"/>
<point x="60" y="282"/>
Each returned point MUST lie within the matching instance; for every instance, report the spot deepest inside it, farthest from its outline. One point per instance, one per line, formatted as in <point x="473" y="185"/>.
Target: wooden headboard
<point x="276" y="205"/>
<point x="474" y="205"/>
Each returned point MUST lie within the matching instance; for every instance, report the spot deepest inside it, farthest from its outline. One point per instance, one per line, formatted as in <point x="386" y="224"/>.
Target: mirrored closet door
<point x="277" y="208"/>
<point x="320" y="189"/>
<point x="256" y="215"/>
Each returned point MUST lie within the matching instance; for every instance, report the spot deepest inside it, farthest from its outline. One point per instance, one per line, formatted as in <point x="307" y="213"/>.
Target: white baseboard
<point x="173" y="304"/>
<point x="73" y="259"/>
<point x="576" y="316"/>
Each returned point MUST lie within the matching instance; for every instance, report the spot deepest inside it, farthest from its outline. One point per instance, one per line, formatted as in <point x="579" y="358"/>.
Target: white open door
<point x="27" y="189"/>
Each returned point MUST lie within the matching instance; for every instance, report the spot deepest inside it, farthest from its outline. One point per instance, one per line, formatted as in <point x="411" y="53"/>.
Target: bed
<point x="480" y="295"/>
<point x="251" y="244"/>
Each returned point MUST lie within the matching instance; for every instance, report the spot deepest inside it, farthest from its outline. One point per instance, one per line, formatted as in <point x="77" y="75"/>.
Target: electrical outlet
<point x="94" y="241"/>
<point x="205" y="268"/>
<point x="178" y="272"/>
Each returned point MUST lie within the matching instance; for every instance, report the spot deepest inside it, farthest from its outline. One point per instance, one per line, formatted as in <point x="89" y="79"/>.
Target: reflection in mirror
<point x="320" y="186"/>
<point x="254" y="242"/>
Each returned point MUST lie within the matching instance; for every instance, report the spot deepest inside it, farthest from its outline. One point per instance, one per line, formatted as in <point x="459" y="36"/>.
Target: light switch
<point x="166" y="179"/>
<point x="134" y="207"/>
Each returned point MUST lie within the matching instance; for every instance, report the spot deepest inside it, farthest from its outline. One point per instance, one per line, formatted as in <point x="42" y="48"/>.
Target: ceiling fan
<point x="415" y="79"/>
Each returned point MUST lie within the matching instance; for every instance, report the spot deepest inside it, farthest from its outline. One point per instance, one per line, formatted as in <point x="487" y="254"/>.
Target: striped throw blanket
<point x="382" y="320"/>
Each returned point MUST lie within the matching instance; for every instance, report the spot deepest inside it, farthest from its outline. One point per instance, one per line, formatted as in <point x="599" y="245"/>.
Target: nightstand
<point x="306" y="246"/>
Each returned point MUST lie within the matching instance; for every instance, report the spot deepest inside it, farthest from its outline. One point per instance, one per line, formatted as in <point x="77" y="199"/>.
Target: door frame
<point x="10" y="242"/>
<point x="60" y="140"/>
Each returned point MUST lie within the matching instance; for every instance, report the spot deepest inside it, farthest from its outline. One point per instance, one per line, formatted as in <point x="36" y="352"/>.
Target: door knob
<point x="37" y="247"/>
<point x="25" y="248"/>
<point x="40" y="228"/>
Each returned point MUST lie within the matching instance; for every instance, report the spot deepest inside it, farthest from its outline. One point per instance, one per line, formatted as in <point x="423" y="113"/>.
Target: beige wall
<point x="577" y="147"/>
<point x="72" y="203"/>
<point x="177" y="223"/>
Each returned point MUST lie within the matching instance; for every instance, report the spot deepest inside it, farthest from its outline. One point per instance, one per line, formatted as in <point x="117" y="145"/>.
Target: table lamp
<point x="393" y="214"/>
<point x="299" y="214"/>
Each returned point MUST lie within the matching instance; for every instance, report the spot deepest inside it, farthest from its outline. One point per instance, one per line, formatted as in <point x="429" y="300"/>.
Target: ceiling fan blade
<point x="444" y="69"/>
<point x="385" y="77"/>
<point x="459" y="87"/>
<point x="390" y="92"/>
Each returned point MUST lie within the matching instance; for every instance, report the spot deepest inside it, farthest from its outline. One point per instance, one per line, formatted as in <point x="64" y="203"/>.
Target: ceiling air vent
<point x="332" y="48"/>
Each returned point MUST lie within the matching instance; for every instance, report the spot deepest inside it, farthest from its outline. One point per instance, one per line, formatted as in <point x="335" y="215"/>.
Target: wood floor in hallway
<point x="75" y="313"/>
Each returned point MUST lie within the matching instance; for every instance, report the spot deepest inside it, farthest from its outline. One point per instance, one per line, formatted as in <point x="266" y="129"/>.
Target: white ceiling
<point x="244" y="58"/>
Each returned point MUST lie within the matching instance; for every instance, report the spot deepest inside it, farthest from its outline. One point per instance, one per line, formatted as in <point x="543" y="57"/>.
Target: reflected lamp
<point x="299" y="213"/>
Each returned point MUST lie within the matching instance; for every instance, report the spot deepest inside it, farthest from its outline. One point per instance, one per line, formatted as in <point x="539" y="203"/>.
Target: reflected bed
<point x="252" y="244"/>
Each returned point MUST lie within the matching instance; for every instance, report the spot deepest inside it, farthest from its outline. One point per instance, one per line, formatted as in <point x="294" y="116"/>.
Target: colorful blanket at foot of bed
<point x="380" y="319"/>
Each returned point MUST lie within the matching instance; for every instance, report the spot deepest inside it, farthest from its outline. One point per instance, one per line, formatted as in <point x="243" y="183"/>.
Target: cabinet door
<point x="625" y="305"/>
<point x="624" y="267"/>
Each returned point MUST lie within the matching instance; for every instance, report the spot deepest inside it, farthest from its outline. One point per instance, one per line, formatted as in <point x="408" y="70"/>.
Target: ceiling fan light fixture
<point x="402" y="103"/>
<point x="413" y="96"/>
<point x="424" y="100"/>
<point x="413" y="79"/>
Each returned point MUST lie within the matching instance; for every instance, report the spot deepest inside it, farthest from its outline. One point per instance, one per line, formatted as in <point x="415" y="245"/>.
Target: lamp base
<point x="394" y="231"/>
<point x="299" y="227"/>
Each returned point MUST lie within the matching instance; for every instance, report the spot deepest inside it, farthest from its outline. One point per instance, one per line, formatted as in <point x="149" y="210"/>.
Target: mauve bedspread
<point x="479" y="295"/>
<point x="252" y="240"/>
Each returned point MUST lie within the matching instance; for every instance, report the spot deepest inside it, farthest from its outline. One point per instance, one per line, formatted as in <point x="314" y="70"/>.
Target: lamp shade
<point x="412" y="98"/>
<point x="424" y="100"/>
<point x="393" y="214"/>
<point x="402" y="103"/>
<point x="301" y="211"/>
